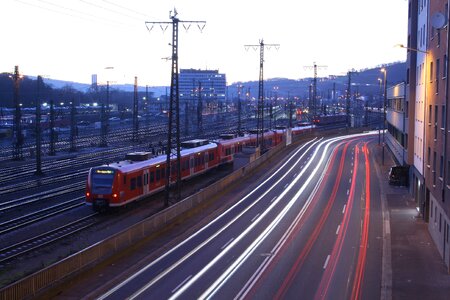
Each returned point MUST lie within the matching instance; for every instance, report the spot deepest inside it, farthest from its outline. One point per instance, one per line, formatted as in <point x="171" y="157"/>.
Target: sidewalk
<point x="418" y="271"/>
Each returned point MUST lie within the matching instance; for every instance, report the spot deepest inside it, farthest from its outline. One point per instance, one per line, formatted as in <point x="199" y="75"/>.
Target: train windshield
<point x="102" y="181"/>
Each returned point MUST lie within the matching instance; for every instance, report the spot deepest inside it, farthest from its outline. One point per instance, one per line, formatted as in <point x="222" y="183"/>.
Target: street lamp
<point x="383" y="70"/>
<point x="410" y="49"/>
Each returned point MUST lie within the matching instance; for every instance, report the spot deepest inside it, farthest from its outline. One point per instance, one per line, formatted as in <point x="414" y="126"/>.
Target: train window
<point x="124" y="179"/>
<point x="146" y="179"/>
<point x="152" y="177"/>
<point x="139" y="181"/>
<point x="163" y="172"/>
<point x="186" y="164"/>
<point x="202" y="160"/>
<point x="158" y="175"/>
<point x="133" y="183"/>
<point x="211" y="156"/>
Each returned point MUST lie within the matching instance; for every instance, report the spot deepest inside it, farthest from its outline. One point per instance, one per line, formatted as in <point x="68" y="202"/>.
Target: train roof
<point x="238" y="139"/>
<point x="129" y="165"/>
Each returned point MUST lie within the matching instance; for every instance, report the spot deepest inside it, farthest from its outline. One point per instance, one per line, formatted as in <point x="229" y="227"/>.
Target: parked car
<point x="399" y="175"/>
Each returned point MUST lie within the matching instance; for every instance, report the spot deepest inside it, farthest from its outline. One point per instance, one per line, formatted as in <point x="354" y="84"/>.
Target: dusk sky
<point x="73" y="39"/>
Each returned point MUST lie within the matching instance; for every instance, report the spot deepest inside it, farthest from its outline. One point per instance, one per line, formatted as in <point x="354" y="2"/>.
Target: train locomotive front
<point x="101" y="187"/>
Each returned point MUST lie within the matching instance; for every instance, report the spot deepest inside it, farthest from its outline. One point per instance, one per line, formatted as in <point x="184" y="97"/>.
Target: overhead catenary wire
<point x="78" y="14"/>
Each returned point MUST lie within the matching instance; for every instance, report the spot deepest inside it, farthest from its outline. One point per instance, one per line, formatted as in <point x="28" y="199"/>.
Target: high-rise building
<point x="212" y="82"/>
<point x="429" y="117"/>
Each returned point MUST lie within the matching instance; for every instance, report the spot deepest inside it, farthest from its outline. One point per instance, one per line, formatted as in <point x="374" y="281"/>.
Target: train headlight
<point x="88" y="194"/>
<point x="114" y="195"/>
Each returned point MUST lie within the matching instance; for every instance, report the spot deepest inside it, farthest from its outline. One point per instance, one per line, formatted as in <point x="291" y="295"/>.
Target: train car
<point x="329" y="120"/>
<point x="140" y="175"/>
<point x="298" y="130"/>
<point x="229" y="144"/>
<point x="271" y="138"/>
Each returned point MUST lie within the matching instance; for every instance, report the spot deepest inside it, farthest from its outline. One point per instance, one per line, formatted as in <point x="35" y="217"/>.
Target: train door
<point x="146" y="182"/>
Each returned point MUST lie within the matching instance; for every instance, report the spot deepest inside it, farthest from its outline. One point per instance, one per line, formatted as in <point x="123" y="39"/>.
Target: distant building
<point x="212" y="82"/>
<point x="397" y="130"/>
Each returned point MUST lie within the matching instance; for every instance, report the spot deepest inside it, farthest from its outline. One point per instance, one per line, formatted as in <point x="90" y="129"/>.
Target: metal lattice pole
<point x="174" y="105"/>
<point x="18" y="136"/>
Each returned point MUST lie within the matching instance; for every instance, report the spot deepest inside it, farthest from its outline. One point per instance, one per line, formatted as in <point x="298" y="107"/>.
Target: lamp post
<point x="384" y="110"/>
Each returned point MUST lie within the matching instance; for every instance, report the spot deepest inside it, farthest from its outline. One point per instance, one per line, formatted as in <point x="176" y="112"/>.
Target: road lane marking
<point x="326" y="262"/>
<point x="349" y="181"/>
<point x="181" y="284"/>
<point x="295" y="175"/>
<point x="337" y="230"/>
<point x="286" y="185"/>
<point x="254" y="218"/>
<point x="348" y="192"/>
<point x="273" y="199"/>
<point x="227" y="243"/>
<point x="343" y="210"/>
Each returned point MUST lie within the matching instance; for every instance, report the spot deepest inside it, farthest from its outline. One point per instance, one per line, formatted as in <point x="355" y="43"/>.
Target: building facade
<point x="430" y="172"/>
<point x="213" y="85"/>
<point x="437" y="161"/>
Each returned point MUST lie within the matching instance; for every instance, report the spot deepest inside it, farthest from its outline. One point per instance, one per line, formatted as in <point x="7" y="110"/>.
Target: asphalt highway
<point x="311" y="230"/>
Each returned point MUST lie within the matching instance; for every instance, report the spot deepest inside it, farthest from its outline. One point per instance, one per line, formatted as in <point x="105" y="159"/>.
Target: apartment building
<point x="428" y="85"/>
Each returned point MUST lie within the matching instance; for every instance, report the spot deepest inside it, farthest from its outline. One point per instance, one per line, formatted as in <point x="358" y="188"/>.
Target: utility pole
<point x="200" y="109"/>
<point x="135" y="112"/>
<point x="73" y="127"/>
<point x="186" y="118"/>
<point x="348" y="95"/>
<point x="18" y="136"/>
<point x="104" y="116"/>
<point x="52" y="150"/>
<point x="313" y="100"/>
<point x="38" y="128"/>
<point x="174" y="105"/>
<point x="260" y="105"/>
<point x="239" y="110"/>
<point x="290" y="111"/>
<point x="147" y="107"/>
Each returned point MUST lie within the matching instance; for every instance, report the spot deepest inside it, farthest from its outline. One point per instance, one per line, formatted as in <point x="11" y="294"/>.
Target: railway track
<point x="40" y="215"/>
<point x="21" y="248"/>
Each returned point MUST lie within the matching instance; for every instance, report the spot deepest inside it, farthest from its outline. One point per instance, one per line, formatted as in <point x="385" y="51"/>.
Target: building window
<point x="434" y="168"/>
<point x="430" y="111"/>
<point x="441" y="167"/>
<point x="429" y="157"/>
<point x="443" y="112"/>
<point x="437" y="75"/>
<point x="431" y="71"/>
<point x="436" y="113"/>
<point x="444" y="72"/>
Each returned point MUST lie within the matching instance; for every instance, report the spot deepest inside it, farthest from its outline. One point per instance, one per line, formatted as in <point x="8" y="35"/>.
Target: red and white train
<point x="141" y="175"/>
